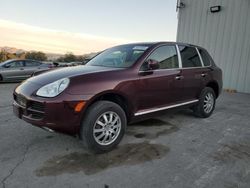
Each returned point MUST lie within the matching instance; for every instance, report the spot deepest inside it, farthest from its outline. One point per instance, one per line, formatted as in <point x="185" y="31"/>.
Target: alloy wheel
<point x="208" y="103"/>
<point x="107" y="128"/>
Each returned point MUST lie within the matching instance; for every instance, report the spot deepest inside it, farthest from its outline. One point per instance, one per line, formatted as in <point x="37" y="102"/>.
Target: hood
<point x="67" y="72"/>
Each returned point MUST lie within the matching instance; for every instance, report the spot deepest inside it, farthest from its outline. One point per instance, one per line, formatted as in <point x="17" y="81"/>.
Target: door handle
<point x="179" y="77"/>
<point x="21" y="68"/>
<point x="203" y="75"/>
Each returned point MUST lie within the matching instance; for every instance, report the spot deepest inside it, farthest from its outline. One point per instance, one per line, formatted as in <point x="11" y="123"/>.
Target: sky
<point x="84" y="26"/>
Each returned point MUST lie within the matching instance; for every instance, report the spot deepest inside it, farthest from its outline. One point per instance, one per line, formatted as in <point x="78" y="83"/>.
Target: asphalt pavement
<point x="174" y="150"/>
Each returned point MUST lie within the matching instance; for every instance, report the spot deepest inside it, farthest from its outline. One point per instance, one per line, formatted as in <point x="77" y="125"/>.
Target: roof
<point x="159" y="43"/>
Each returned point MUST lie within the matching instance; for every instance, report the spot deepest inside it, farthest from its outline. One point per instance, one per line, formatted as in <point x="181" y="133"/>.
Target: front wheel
<point x="206" y="104"/>
<point x="103" y="126"/>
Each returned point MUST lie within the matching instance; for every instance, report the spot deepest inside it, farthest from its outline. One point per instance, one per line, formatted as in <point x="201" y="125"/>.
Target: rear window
<point x="205" y="57"/>
<point x="189" y="56"/>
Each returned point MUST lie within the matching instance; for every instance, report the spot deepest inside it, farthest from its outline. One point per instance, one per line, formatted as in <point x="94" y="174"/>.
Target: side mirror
<point x="153" y="64"/>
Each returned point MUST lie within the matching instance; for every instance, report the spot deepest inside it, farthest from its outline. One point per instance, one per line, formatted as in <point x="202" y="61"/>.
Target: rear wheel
<point x="206" y="104"/>
<point x="103" y="126"/>
<point x="1" y="78"/>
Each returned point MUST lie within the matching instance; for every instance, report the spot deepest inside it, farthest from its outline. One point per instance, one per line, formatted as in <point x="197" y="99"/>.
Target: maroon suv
<point x="121" y="84"/>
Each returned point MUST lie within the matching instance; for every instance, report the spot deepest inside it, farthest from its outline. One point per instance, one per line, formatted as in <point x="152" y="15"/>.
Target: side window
<point x="31" y="63"/>
<point x="189" y="56"/>
<point x="205" y="57"/>
<point x="15" y="64"/>
<point x="166" y="56"/>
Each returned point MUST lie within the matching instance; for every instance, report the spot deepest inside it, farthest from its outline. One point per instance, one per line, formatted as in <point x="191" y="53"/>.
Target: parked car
<point x="121" y="85"/>
<point x="20" y="69"/>
<point x="37" y="72"/>
<point x="86" y="60"/>
<point x="40" y="71"/>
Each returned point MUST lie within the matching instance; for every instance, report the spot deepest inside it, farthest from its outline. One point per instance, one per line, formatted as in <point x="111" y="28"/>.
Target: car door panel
<point x="31" y="67"/>
<point x="161" y="88"/>
<point x="192" y="72"/>
<point x="192" y="83"/>
<point x="15" y="71"/>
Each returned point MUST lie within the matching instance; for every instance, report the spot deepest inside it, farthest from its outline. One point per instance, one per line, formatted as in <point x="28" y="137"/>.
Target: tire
<point x="94" y="119"/>
<point x="206" y="104"/>
<point x="1" y="78"/>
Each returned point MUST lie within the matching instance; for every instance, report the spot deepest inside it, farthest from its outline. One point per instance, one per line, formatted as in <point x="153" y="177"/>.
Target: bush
<point x="39" y="56"/>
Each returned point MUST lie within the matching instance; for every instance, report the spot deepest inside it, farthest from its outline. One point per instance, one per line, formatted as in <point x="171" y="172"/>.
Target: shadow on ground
<point x="129" y="154"/>
<point x="151" y="129"/>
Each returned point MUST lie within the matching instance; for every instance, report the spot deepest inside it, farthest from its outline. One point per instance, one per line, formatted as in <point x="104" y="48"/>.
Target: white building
<point x="223" y="28"/>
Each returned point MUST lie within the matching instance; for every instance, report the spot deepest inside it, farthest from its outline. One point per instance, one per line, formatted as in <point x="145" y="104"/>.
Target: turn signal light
<point x="79" y="106"/>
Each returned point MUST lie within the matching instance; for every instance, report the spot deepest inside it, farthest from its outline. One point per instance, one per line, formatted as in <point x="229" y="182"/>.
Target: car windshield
<point x="119" y="57"/>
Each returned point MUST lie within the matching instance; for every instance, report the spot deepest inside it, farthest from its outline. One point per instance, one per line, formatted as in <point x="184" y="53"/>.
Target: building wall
<point x="225" y="34"/>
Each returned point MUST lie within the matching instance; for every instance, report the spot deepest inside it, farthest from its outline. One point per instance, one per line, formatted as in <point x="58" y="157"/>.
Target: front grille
<point x="37" y="115"/>
<point x="37" y="106"/>
<point x="32" y="109"/>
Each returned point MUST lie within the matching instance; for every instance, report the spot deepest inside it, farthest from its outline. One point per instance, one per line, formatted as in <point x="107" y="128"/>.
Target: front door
<point x="161" y="87"/>
<point x="14" y="70"/>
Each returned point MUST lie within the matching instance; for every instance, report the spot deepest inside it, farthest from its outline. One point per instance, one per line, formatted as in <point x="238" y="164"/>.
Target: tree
<point x="69" y="57"/>
<point x="40" y="56"/>
<point x="82" y="58"/>
<point x="2" y="56"/>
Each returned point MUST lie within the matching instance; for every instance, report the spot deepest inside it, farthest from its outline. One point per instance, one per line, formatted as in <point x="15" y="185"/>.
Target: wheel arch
<point x="1" y="77"/>
<point x="115" y="97"/>
<point x="215" y="86"/>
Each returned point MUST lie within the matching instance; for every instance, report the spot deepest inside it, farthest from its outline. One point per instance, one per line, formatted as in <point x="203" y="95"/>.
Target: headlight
<point x="53" y="89"/>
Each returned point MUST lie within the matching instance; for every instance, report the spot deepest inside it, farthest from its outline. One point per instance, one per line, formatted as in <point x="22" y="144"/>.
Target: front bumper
<point x="57" y="115"/>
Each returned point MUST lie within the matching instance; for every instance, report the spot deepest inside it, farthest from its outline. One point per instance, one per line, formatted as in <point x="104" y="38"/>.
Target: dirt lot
<point x="173" y="150"/>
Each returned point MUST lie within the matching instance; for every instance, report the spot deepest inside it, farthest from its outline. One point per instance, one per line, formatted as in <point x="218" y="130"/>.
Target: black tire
<point x="96" y="111"/>
<point x="199" y="109"/>
<point x="1" y="78"/>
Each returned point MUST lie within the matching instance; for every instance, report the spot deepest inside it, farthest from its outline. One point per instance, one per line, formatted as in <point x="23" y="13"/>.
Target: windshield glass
<point x="119" y="57"/>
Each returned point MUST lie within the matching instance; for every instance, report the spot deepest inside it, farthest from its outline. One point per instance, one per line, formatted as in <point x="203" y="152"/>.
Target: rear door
<point x="30" y="67"/>
<point x="161" y="87"/>
<point x="192" y="72"/>
<point x="206" y="61"/>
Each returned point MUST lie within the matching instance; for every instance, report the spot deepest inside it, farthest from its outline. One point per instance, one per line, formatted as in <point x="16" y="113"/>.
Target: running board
<point x="164" y="108"/>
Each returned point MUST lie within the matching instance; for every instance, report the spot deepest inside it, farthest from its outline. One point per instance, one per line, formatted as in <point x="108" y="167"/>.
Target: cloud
<point x="36" y="38"/>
